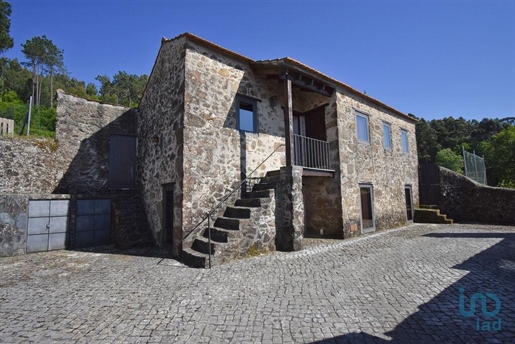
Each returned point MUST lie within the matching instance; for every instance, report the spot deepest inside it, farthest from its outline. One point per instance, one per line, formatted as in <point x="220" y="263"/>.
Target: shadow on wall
<point x="87" y="177"/>
<point x="449" y="317"/>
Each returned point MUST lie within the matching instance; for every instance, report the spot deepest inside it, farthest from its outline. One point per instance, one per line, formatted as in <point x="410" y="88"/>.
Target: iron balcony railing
<point x="311" y="153"/>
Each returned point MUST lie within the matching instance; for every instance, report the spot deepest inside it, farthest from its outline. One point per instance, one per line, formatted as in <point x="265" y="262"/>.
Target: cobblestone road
<point x="396" y="286"/>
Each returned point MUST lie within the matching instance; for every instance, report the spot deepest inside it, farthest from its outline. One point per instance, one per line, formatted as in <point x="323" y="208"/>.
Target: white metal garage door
<point x="47" y="227"/>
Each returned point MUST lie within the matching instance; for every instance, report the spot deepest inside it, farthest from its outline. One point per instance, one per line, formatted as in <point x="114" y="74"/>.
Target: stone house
<point x="273" y="150"/>
<point x="325" y="159"/>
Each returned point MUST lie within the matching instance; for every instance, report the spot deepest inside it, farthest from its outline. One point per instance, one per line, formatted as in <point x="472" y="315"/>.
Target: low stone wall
<point x="464" y="200"/>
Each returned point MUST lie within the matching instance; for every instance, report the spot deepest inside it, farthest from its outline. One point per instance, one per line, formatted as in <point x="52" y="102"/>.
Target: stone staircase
<point x="246" y="227"/>
<point x="429" y="214"/>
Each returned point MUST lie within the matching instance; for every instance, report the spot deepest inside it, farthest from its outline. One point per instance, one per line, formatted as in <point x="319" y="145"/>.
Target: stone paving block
<point x="395" y="286"/>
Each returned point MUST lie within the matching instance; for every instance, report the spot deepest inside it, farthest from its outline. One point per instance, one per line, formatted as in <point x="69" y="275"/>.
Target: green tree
<point x="54" y="61"/>
<point x="448" y="159"/>
<point x="6" y="41"/>
<point x="427" y="143"/>
<point x="500" y="158"/>
<point x="34" y="51"/>
<point x="43" y="56"/>
<point x="125" y="89"/>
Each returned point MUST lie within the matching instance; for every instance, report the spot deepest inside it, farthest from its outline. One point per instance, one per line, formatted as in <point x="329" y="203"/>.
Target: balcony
<point x="311" y="153"/>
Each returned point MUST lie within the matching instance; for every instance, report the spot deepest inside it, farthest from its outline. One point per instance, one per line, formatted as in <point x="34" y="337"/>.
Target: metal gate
<point x="93" y="224"/>
<point x="47" y="227"/>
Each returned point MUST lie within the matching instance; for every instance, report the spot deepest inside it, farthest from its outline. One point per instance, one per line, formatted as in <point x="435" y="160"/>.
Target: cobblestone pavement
<point x="396" y="286"/>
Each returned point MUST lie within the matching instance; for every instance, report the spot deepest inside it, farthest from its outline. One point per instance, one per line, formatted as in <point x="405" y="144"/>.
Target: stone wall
<point x="289" y="210"/>
<point x="387" y="170"/>
<point x="216" y="153"/>
<point x="77" y="161"/>
<point x="13" y="224"/>
<point x="74" y="165"/>
<point x="161" y="118"/>
<point x="83" y="129"/>
<point x="464" y="200"/>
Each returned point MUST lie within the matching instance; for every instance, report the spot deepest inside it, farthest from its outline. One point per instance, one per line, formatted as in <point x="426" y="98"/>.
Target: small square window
<point x="387" y="136"/>
<point x="404" y="138"/>
<point x="362" y="128"/>
<point x="247" y="115"/>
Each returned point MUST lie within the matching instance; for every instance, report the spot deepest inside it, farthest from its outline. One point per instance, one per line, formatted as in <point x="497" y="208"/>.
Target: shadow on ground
<point x="440" y="320"/>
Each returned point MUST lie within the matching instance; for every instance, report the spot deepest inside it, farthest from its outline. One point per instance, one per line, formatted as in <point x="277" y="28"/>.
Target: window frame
<point x="367" y="121"/>
<point x="249" y="101"/>
<point x="389" y="126"/>
<point x="404" y="142"/>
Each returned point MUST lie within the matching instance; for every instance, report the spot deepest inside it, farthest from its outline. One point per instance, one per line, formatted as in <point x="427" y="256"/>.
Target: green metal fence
<point x="474" y="166"/>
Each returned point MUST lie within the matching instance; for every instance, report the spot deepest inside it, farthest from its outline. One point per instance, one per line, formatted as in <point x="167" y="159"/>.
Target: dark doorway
<point x="168" y="214"/>
<point x="409" y="203"/>
<point x="367" y="210"/>
<point x="315" y="123"/>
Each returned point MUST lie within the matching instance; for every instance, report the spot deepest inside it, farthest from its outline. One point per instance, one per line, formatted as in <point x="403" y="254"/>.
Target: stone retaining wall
<point x="464" y="200"/>
<point x="75" y="164"/>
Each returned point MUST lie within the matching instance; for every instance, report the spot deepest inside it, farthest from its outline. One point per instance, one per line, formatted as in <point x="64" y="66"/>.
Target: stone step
<point x="194" y="258"/>
<point x="270" y="180"/>
<point x="219" y="234"/>
<point x="430" y="216"/>
<point x="227" y="223"/>
<point x="201" y="245"/>
<point x="275" y="173"/>
<point x="258" y="194"/>
<point x="237" y="212"/>
<point x="248" y="202"/>
<point x="263" y="186"/>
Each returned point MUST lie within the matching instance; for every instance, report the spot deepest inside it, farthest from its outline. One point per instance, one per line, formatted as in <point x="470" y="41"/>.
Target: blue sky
<point x="427" y="57"/>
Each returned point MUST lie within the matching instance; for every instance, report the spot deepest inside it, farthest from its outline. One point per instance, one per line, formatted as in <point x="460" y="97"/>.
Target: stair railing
<point x="219" y="204"/>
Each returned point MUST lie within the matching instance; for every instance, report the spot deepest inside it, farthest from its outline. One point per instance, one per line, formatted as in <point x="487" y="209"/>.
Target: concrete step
<point x="237" y="212"/>
<point x="194" y="259"/>
<point x="201" y="244"/>
<point x="227" y="223"/>
<point x="248" y="202"/>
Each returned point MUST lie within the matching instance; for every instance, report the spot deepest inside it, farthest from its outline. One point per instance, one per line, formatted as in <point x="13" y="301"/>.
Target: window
<point x="362" y="128"/>
<point x="247" y="115"/>
<point x="404" y="138"/>
<point x="387" y="136"/>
